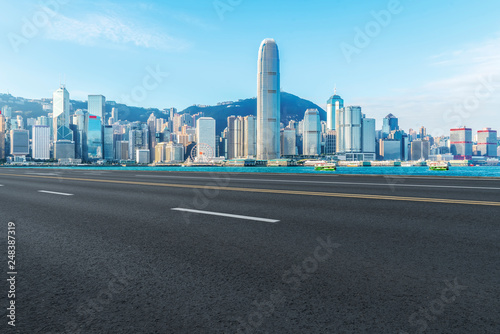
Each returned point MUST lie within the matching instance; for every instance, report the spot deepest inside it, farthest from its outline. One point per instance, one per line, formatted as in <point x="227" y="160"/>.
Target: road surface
<point x="170" y="252"/>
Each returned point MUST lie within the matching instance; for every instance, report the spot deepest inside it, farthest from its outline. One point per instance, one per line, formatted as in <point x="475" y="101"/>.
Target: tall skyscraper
<point x="2" y="145"/>
<point x="268" y="101"/>
<point x="60" y="115"/>
<point x="330" y="142"/>
<point x="312" y="132"/>
<point x="348" y="127"/>
<point x="355" y="135"/>
<point x="461" y="143"/>
<point x="7" y="111"/>
<point x="2" y="136"/>
<point x="487" y="142"/>
<point x="2" y="123"/>
<point x="121" y="151"/>
<point x="334" y="103"/>
<point x="232" y="137"/>
<point x="288" y="142"/>
<point x="138" y="138"/>
<point x="94" y="138"/>
<point x="420" y="150"/>
<point x="152" y="136"/>
<point x="108" y="143"/>
<point x="205" y="135"/>
<point x="423" y="132"/>
<point x="41" y="142"/>
<point x="390" y="123"/>
<point x="368" y="135"/>
<point x="80" y="135"/>
<point x="115" y="114"/>
<point x="97" y="106"/>
<point x="250" y="136"/>
<point x="174" y="152"/>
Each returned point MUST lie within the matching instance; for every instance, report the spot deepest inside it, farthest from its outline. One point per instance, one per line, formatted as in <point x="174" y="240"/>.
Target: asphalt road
<point x="117" y="252"/>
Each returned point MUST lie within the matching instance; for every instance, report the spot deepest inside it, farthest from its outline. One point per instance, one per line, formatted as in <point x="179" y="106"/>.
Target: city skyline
<point x="93" y="139"/>
<point x="237" y="166"/>
<point x="182" y="57"/>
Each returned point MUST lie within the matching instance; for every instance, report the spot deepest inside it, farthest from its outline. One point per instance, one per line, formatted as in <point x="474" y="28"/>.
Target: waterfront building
<point x="487" y="142"/>
<point x="40" y="142"/>
<point x="461" y="143"/>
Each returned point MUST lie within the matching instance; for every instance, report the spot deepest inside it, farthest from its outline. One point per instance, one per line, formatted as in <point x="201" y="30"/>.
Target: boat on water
<point x="311" y="162"/>
<point x="439" y="166"/>
<point x="326" y="167"/>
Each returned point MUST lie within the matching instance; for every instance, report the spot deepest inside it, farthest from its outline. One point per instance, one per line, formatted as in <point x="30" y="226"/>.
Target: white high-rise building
<point x="114" y="114"/>
<point x="288" y="142"/>
<point x="312" y="132"/>
<point x="348" y="125"/>
<point x="268" y="102"/>
<point x="250" y="136"/>
<point x="60" y="115"/>
<point x="205" y="135"/>
<point x="232" y="137"/>
<point x="41" y="142"/>
<point x="355" y="135"/>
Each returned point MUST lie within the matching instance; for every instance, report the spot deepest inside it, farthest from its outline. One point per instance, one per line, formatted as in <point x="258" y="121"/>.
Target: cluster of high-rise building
<point x="95" y="136"/>
<point x="98" y="135"/>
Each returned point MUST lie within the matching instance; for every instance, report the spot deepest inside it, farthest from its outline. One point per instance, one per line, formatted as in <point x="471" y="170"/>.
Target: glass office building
<point x="97" y="106"/>
<point x="60" y="115"/>
<point x="109" y="153"/>
<point x="94" y="138"/>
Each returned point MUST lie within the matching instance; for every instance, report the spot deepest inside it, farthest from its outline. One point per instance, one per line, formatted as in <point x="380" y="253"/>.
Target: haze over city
<point x="380" y="54"/>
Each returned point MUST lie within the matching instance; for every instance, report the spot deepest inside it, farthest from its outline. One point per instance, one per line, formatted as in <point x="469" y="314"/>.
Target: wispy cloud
<point x="100" y="30"/>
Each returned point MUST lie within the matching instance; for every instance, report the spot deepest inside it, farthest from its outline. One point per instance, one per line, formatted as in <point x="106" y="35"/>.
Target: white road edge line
<point x="54" y="193"/>
<point x="265" y="220"/>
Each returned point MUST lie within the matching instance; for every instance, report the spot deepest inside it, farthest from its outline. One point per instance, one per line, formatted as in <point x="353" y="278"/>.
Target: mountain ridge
<point x="292" y="108"/>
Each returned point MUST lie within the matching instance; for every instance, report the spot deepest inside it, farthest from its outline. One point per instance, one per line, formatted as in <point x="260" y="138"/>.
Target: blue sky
<point x="432" y="63"/>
